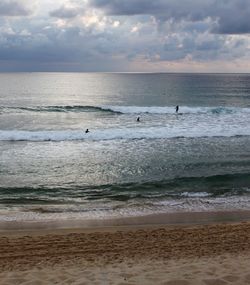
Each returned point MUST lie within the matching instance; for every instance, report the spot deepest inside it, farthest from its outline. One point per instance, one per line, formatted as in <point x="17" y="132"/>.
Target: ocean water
<point x="196" y="160"/>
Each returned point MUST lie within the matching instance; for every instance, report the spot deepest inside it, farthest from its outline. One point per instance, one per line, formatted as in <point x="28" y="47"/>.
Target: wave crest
<point x="128" y="109"/>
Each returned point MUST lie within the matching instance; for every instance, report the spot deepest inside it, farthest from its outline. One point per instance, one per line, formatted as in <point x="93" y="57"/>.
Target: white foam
<point x="133" y="210"/>
<point x="128" y="133"/>
<point x="171" y="109"/>
<point x="195" y="194"/>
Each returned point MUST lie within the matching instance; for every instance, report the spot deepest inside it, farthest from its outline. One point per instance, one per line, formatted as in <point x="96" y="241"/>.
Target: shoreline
<point x="161" y="219"/>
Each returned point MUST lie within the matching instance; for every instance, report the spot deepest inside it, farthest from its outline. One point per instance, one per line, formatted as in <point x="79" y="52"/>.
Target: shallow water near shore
<point x="194" y="161"/>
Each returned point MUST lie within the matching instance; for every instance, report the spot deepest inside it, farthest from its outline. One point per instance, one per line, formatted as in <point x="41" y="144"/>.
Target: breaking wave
<point x="125" y="133"/>
<point x="225" y="185"/>
<point x="128" y="109"/>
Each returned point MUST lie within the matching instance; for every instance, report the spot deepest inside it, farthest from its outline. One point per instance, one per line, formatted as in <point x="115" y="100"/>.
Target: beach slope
<point x="204" y="254"/>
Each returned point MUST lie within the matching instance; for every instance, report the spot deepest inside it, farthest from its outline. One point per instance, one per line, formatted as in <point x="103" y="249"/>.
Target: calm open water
<point x="197" y="160"/>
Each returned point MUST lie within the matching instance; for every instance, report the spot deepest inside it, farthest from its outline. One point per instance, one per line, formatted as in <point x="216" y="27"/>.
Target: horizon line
<point x="125" y="72"/>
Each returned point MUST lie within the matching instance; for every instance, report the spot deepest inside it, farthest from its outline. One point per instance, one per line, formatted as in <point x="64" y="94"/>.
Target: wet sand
<point x="214" y="253"/>
<point x="162" y="219"/>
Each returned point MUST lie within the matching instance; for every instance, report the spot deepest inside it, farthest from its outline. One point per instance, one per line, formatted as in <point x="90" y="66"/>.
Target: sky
<point x="125" y="35"/>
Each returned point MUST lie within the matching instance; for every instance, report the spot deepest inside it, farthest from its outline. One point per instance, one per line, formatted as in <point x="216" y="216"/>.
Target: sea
<point x="196" y="160"/>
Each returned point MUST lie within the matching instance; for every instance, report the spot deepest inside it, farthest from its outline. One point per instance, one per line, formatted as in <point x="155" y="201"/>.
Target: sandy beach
<point x="214" y="253"/>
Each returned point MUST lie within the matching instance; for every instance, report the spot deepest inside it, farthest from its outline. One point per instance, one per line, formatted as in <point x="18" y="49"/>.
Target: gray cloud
<point x="13" y="8"/>
<point x="234" y="18"/>
<point x="112" y="49"/>
<point x="152" y="31"/>
<point x="192" y="9"/>
<point x="72" y="49"/>
<point x="231" y="16"/>
<point x="65" y="13"/>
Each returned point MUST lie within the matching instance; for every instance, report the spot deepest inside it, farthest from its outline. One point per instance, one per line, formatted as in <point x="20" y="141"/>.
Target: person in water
<point x="87" y="131"/>
<point x="177" y="109"/>
<point x="138" y="119"/>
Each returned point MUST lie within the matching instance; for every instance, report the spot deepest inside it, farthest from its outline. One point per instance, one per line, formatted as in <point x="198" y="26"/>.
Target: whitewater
<point x="156" y="123"/>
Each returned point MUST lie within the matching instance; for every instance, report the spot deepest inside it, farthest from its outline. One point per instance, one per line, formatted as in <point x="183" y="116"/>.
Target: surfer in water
<point x="177" y="109"/>
<point x="138" y="119"/>
<point x="87" y="131"/>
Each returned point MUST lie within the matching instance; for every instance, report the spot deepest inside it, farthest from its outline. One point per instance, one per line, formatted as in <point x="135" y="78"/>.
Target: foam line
<point x="124" y="133"/>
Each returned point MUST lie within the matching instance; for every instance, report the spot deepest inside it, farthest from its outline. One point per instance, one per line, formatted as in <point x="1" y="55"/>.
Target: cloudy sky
<point x="125" y="35"/>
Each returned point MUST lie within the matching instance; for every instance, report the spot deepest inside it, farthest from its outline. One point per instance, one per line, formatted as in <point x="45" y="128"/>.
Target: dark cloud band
<point x="231" y="16"/>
